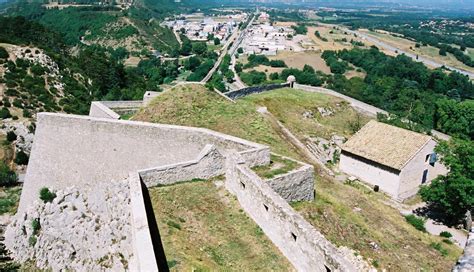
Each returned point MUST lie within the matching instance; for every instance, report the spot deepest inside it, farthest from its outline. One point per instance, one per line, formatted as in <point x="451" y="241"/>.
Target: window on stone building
<point x="242" y="184"/>
<point x="266" y="207"/>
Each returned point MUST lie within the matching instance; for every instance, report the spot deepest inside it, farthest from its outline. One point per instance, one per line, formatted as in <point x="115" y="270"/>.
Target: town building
<point x="395" y="160"/>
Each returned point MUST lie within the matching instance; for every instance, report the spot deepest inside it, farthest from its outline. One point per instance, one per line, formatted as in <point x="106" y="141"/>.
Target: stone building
<point x="396" y="160"/>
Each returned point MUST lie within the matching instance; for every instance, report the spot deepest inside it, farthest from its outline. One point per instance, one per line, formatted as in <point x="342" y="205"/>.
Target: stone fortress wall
<point x="86" y="151"/>
<point x="77" y="150"/>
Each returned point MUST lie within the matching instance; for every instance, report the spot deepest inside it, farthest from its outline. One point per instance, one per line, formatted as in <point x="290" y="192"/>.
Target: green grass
<point x="203" y="229"/>
<point x="278" y="165"/>
<point x="417" y="222"/>
<point x="9" y="199"/>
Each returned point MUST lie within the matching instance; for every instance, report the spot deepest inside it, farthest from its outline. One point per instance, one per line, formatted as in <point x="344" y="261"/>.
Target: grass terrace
<point x="278" y="165"/>
<point x="203" y="229"/>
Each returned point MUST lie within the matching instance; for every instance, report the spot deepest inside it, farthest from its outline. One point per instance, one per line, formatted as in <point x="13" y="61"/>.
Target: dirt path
<point x="299" y="147"/>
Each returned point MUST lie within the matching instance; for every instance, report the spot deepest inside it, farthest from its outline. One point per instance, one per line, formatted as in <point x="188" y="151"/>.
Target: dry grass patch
<point x="288" y="105"/>
<point x="354" y="216"/>
<point x="299" y="59"/>
<point x="203" y="229"/>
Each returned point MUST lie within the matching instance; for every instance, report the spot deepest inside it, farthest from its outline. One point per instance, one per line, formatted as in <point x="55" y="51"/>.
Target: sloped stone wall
<point x="76" y="150"/>
<point x="297" y="185"/>
<point x="82" y="229"/>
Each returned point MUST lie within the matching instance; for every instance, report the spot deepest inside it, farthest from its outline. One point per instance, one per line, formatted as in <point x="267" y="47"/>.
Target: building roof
<point x="385" y="144"/>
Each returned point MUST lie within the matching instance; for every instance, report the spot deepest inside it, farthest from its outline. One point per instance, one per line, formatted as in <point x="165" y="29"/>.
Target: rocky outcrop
<point x="82" y="229"/>
<point x="325" y="150"/>
<point x="25" y="137"/>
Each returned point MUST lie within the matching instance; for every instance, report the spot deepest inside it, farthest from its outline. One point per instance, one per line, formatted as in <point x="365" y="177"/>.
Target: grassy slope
<point x="203" y="229"/>
<point x="402" y="248"/>
<point x="195" y="106"/>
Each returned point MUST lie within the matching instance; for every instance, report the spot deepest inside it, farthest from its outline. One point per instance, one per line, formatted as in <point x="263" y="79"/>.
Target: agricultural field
<point x="203" y="229"/>
<point x="429" y="52"/>
<point x="300" y="59"/>
<point x="347" y="214"/>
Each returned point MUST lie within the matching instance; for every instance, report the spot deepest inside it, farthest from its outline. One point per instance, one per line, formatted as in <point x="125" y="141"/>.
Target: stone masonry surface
<point x="466" y="262"/>
<point x="81" y="229"/>
<point x="300" y="242"/>
<point x="75" y="150"/>
<point x="297" y="185"/>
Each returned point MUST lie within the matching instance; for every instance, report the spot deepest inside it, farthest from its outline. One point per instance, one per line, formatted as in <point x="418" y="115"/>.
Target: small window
<point x="242" y="184"/>
<point x="294" y="236"/>
<point x="427" y="157"/>
<point x="327" y="268"/>
<point x="266" y="207"/>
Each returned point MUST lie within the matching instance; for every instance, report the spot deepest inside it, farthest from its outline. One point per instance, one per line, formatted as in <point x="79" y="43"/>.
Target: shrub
<point x="3" y="53"/>
<point x="174" y="224"/>
<point x="439" y="248"/>
<point x="417" y="222"/>
<point x="445" y="234"/>
<point x="32" y="240"/>
<point x="46" y="195"/>
<point x="11" y="136"/>
<point x="21" y="158"/>
<point x="7" y="176"/>
<point x="35" y="224"/>
<point x="5" y="113"/>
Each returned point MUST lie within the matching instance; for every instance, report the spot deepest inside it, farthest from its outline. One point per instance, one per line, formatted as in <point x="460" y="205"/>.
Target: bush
<point x="11" y="136"/>
<point x="445" y="234"/>
<point x="35" y="224"/>
<point x="7" y="176"/>
<point x="3" y="53"/>
<point x="46" y="195"/>
<point x="439" y="248"/>
<point x="21" y="158"/>
<point x="417" y="222"/>
<point x="5" y="113"/>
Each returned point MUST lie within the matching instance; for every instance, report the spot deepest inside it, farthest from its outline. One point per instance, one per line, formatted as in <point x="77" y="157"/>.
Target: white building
<point x="396" y="160"/>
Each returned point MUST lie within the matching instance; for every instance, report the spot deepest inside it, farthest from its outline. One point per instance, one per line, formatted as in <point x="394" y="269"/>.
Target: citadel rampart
<point x="87" y="151"/>
<point x="77" y="150"/>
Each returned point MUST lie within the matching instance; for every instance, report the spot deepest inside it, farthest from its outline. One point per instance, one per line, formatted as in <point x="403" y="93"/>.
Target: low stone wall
<point x="299" y="241"/>
<point x="255" y="89"/>
<point x="466" y="262"/>
<point x="209" y="163"/>
<point x="143" y="251"/>
<point x="124" y="107"/>
<point x="100" y="110"/>
<point x="297" y="185"/>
